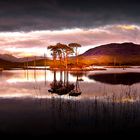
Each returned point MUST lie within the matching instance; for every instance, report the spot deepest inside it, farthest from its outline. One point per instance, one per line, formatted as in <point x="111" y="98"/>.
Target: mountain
<point x="114" y="53"/>
<point x="8" y="61"/>
<point x="114" y="49"/>
<point x="8" y="57"/>
<point x="31" y="58"/>
<point x="7" y="64"/>
<point x="11" y="58"/>
<point x="110" y="54"/>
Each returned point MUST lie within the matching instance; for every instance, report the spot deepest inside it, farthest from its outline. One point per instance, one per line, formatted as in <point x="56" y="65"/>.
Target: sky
<point x="27" y="27"/>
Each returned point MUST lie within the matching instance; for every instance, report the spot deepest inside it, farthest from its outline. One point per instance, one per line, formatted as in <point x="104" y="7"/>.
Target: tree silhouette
<point x="76" y="46"/>
<point x="53" y="48"/>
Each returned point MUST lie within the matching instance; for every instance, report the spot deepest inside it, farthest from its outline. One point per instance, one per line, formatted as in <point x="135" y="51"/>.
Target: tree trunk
<point x="54" y="59"/>
<point x="67" y="75"/>
<point x="35" y="68"/>
<point x="54" y="78"/>
<point x="76" y="57"/>
<point x="66" y="60"/>
<point x="61" y="75"/>
<point x="45" y="66"/>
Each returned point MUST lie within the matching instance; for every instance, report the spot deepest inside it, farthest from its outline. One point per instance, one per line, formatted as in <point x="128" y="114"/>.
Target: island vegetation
<point x="65" y="56"/>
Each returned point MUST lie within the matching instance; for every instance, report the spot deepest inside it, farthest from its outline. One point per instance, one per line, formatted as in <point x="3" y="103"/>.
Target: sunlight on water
<point x="92" y="84"/>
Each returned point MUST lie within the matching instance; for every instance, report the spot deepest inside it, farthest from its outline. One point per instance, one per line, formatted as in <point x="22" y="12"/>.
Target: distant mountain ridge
<point x="8" y="61"/>
<point x="113" y="54"/>
<point x="110" y="54"/>
<point x="11" y="58"/>
<point x="114" y="49"/>
<point x="8" y="57"/>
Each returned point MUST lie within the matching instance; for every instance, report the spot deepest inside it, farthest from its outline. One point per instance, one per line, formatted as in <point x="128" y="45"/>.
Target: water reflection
<point x="64" y="86"/>
<point x="45" y="113"/>
<point x="117" y="78"/>
<point x="95" y="83"/>
<point x="78" y="73"/>
<point x="59" y="116"/>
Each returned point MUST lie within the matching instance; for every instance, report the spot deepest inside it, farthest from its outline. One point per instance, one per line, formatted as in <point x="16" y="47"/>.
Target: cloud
<point x="28" y="15"/>
<point x="36" y="42"/>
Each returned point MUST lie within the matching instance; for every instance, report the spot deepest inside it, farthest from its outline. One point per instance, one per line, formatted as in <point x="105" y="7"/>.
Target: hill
<point x="7" y="64"/>
<point x="11" y="58"/>
<point x="113" y="54"/>
<point x="8" y="61"/>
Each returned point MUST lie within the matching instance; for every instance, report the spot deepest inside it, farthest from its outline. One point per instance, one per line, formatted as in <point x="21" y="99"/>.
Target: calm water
<point x="26" y="106"/>
<point x="21" y="84"/>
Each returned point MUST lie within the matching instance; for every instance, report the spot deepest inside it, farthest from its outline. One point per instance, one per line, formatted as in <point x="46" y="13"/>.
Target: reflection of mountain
<point x="117" y="78"/>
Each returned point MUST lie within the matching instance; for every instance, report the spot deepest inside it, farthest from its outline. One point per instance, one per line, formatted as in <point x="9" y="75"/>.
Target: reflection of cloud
<point x="36" y="42"/>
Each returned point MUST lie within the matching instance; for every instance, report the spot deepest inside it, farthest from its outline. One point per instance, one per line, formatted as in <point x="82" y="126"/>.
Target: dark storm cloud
<point x="58" y="14"/>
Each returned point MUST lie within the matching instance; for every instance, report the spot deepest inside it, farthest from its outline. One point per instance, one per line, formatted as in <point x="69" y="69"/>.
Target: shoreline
<point x="94" y="68"/>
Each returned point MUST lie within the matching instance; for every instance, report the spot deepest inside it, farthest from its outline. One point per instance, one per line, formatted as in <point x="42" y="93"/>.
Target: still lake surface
<point x="26" y="106"/>
<point x="24" y="84"/>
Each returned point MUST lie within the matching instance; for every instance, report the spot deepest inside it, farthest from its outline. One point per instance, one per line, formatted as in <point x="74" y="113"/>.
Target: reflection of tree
<point x="77" y="90"/>
<point x="79" y="73"/>
<point x="63" y="86"/>
<point x="61" y="53"/>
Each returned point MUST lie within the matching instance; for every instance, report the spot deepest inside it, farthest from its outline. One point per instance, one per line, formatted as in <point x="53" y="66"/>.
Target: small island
<point x="66" y="57"/>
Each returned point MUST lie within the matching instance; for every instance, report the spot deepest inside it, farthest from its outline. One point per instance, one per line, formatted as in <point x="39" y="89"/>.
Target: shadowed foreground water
<point x="109" y="103"/>
<point x="64" y="116"/>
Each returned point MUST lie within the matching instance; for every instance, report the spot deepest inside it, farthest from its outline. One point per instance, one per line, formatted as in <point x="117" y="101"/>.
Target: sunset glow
<point x="69" y="67"/>
<point x="128" y="27"/>
<point x="35" y="42"/>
